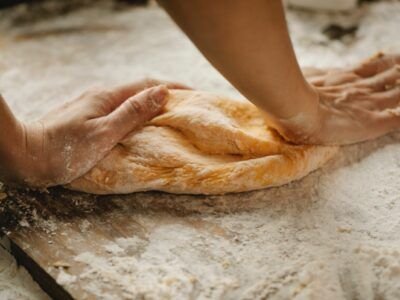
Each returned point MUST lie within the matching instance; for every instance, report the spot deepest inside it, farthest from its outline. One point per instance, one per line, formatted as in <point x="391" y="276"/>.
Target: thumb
<point x="137" y="110"/>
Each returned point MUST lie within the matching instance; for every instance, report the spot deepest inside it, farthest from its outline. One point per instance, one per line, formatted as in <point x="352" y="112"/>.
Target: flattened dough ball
<point x="202" y="144"/>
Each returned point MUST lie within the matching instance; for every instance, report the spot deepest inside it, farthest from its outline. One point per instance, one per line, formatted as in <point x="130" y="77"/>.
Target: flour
<point x="337" y="243"/>
<point x="64" y="278"/>
<point x="153" y="269"/>
<point x="332" y="235"/>
<point x="15" y="282"/>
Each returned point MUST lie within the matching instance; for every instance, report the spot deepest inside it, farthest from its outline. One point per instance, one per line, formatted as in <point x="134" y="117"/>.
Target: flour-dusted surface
<point x="15" y="281"/>
<point x="332" y="235"/>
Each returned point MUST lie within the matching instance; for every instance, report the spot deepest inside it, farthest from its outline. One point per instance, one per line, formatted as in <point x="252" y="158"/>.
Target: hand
<point x="71" y="139"/>
<point x="355" y="104"/>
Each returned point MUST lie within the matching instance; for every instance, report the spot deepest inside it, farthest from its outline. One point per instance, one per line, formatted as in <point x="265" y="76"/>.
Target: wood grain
<point x="48" y="230"/>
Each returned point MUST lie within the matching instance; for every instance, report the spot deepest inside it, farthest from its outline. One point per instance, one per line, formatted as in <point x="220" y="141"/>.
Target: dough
<point x="202" y="144"/>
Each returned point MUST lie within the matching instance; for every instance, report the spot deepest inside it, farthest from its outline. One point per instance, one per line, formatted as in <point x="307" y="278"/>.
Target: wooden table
<point x="48" y="230"/>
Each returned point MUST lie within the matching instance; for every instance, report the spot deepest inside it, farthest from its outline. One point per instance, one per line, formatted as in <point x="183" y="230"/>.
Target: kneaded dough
<point x="202" y="144"/>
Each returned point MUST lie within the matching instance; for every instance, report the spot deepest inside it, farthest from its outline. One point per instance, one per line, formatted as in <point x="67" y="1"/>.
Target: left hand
<point x="355" y="104"/>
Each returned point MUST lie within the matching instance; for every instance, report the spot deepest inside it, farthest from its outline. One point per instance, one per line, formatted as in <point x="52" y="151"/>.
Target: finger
<point x="137" y="110"/>
<point x="332" y="80"/>
<point x="378" y="63"/>
<point x="123" y="92"/>
<point x="109" y="99"/>
<point x="385" y="100"/>
<point x="343" y="78"/>
<point x="387" y="120"/>
<point x="345" y="89"/>
<point x="383" y="80"/>
<point x="391" y="113"/>
<point x="316" y="80"/>
<point x="376" y="123"/>
<point x="316" y="76"/>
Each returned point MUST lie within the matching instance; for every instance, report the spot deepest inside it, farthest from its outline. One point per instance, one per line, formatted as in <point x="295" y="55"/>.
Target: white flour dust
<point x="332" y="235"/>
<point x="15" y="281"/>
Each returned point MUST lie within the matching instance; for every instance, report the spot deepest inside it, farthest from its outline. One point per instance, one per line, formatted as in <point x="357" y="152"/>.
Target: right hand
<point x="355" y="104"/>
<point x="71" y="139"/>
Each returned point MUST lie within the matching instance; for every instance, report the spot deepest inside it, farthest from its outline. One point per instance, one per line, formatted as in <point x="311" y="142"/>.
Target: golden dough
<point x="202" y="144"/>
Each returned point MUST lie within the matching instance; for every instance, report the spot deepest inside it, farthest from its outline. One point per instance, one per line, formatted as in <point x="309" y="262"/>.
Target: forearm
<point x="248" y="42"/>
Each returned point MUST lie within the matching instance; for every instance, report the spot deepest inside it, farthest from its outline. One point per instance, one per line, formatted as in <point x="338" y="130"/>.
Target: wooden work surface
<point x="310" y="239"/>
<point x="76" y="245"/>
<point x="48" y="230"/>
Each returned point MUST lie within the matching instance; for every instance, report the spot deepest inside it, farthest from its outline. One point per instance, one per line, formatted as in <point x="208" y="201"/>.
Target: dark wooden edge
<point x="9" y="3"/>
<point x="45" y="281"/>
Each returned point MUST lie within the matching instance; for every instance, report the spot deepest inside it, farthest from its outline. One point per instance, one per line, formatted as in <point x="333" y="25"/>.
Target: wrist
<point x="10" y="150"/>
<point x="22" y="159"/>
<point x="303" y="126"/>
<point x="21" y="149"/>
<point x="32" y="161"/>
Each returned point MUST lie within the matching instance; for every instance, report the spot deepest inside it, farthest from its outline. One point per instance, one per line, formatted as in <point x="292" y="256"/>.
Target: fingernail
<point x="159" y="94"/>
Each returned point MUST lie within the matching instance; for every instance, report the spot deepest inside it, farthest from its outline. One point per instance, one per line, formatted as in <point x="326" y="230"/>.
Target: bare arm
<point x="248" y="42"/>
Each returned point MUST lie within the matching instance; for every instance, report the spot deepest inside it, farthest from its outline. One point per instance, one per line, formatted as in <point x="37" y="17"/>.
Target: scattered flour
<point x="64" y="278"/>
<point x="332" y="235"/>
<point x="15" y="282"/>
<point x="161" y="269"/>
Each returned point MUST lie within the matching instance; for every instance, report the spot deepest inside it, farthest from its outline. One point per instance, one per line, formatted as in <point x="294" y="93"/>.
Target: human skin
<point x="70" y="140"/>
<point x="249" y="43"/>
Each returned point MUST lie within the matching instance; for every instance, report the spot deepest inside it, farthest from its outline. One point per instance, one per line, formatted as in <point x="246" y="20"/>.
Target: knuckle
<point x="394" y="112"/>
<point x="392" y="92"/>
<point x="149" y="82"/>
<point x="105" y="131"/>
<point x="95" y="93"/>
<point x="108" y="94"/>
<point x="137" y="107"/>
<point x="353" y="92"/>
<point x="350" y="94"/>
<point x="375" y="83"/>
<point x="345" y="96"/>
<point x="104" y="93"/>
